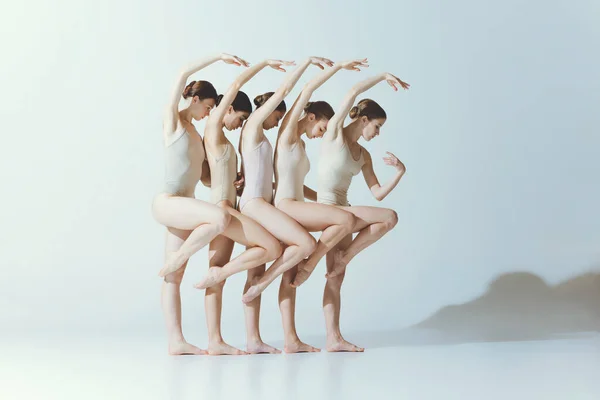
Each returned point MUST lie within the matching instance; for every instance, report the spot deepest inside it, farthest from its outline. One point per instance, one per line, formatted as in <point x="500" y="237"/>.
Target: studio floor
<point x="128" y="368"/>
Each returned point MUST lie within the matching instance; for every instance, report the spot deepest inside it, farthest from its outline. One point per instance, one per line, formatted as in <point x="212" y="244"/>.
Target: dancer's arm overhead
<point x="334" y="128"/>
<point x="262" y="113"/>
<point x="216" y="117"/>
<point x="288" y="136"/>
<point x="379" y="191"/>
<point x="172" y="114"/>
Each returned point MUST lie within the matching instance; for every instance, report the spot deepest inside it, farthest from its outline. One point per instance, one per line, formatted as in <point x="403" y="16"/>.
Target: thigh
<point x="315" y="217"/>
<point x="366" y="216"/>
<point x="246" y="231"/>
<point x="219" y="251"/>
<point x="279" y="224"/>
<point x="184" y="213"/>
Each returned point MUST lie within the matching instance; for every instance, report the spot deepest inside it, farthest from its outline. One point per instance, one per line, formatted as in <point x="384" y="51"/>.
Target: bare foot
<point x="212" y="278"/>
<point x="222" y="348"/>
<point x="339" y="263"/>
<point x="252" y="293"/>
<point x="260" y="347"/>
<point x="173" y="262"/>
<point x="302" y="274"/>
<point x="340" y="345"/>
<point x="299" y="347"/>
<point x="184" y="348"/>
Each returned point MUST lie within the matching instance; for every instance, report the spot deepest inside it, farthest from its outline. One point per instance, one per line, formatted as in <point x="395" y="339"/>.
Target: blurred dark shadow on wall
<point x="517" y="306"/>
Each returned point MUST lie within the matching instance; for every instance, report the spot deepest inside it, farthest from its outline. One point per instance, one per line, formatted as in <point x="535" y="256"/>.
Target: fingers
<point x="241" y="62"/>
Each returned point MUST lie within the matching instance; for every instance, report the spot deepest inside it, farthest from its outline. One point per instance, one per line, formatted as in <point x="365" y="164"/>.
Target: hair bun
<point x="188" y="89"/>
<point x="307" y="106"/>
<point x="354" y="112"/>
<point x="219" y="98"/>
<point x="259" y="100"/>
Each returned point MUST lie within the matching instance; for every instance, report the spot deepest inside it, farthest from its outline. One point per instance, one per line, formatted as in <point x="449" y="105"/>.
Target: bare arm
<point x="288" y="135"/>
<point x="310" y="194"/>
<point x="336" y="123"/>
<point x="262" y="113"/>
<point x="379" y="191"/>
<point x="215" y="118"/>
<point x="172" y="114"/>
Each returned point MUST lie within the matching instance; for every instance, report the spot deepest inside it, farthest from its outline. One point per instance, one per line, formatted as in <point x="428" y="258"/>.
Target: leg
<point x="171" y="299"/>
<point x="333" y="221"/>
<point x="287" y="306"/>
<point x="300" y="244"/>
<point x="332" y="306"/>
<point x="219" y="253"/>
<point x="262" y="248"/>
<point x="204" y="220"/>
<point x="254" y="342"/>
<point x="372" y="223"/>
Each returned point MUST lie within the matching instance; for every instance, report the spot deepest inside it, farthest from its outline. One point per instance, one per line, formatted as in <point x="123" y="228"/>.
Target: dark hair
<point x="240" y="103"/>
<point x="367" y="108"/>
<point x="201" y="89"/>
<point x="262" y="99"/>
<point x="321" y="109"/>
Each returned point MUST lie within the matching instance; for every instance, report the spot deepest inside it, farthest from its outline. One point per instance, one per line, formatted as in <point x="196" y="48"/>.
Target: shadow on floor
<point x="517" y="306"/>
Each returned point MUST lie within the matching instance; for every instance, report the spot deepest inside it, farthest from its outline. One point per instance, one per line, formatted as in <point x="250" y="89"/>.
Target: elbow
<point x="237" y="84"/>
<point x="378" y="196"/>
<point x="354" y="92"/>
<point x="287" y="89"/>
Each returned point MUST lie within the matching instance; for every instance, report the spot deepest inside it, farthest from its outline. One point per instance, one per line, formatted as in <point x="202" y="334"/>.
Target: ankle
<point x="215" y="339"/>
<point x="291" y="339"/>
<point x="176" y="339"/>
<point x="334" y="337"/>
<point x="254" y="339"/>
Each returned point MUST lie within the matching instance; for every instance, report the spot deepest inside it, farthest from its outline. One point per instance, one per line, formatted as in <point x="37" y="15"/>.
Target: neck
<point x="301" y="127"/>
<point x="185" y="115"/>
<point x="353" y="131"/>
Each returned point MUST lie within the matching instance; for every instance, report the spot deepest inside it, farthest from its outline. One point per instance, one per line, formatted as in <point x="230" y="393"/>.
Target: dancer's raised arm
<point x="288" y="136"/>
<point x="262" y="113"/>
<point x="216" y="117"/>
<point x="336" y="123"/>
<point x="172" y="113"/>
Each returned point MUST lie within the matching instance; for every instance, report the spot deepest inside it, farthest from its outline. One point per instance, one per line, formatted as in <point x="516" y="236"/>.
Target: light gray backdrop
<point x="499" y="133"/>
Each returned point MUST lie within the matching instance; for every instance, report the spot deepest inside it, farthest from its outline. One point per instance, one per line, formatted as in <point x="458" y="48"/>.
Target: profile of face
<point x="272" y="120"/>
<point x="371" y="128"/>
<point x="201" y="108"/>
<point x="234" y="119"/>
<point x="316" y="128"/>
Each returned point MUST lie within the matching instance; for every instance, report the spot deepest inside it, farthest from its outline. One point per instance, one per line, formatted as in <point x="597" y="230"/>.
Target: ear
<point x="230" y="110"/>
<point x="311" y="117"/>
<point x="195" y="99"/>
<point x="364" y="120"/>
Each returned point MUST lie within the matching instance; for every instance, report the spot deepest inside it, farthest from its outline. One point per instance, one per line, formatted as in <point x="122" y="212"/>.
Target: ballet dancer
<point x="191" y="223"/>
<point x="341" y="159"/>
<point x="232" y="109"/>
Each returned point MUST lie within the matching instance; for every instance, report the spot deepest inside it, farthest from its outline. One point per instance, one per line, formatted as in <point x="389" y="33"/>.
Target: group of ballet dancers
<point x="271" y="219"/>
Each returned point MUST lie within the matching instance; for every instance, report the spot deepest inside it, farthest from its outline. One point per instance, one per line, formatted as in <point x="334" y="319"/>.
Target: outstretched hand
<point x="231" y="59"/>
<point x="321" y="62"/>
<point x="355" y="65"/>
<point x="277" y="64"/>
<point x="394" y="162"/>
<point x="393" y="80"/>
